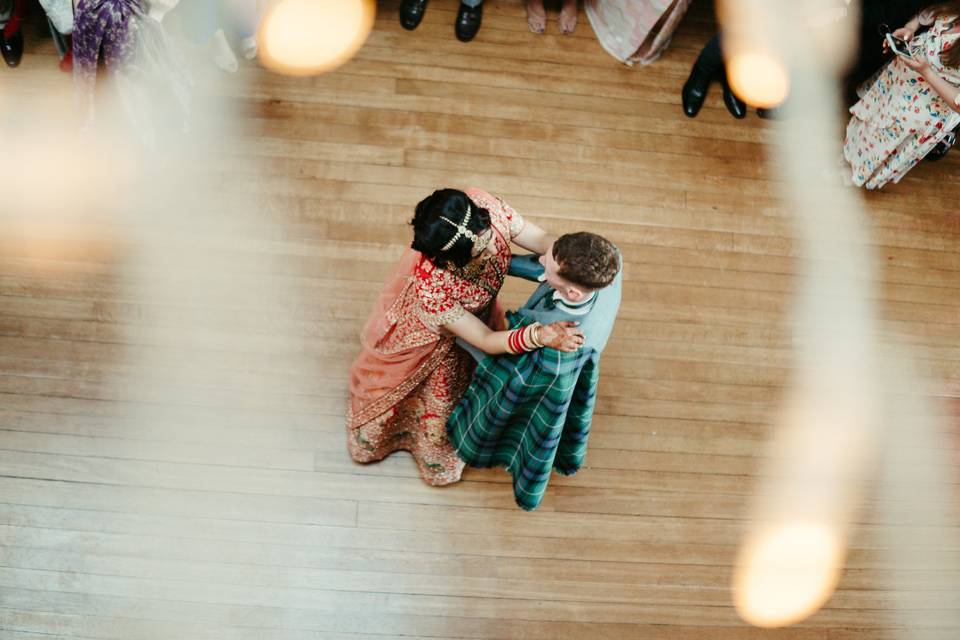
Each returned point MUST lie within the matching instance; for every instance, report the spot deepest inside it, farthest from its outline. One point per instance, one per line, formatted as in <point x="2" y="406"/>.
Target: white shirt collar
<point x="573" y="308"/>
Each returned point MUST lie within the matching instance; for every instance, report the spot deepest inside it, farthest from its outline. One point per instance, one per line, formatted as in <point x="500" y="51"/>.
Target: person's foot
<point x="248" y="47"/>
<point x="536" y="16"/>
<point x="11" y="47"/>
<point x="736" y="106"/>
<point x="846" y="177"/>
<point x="222" y="53"/>
<point x="568" y="16"/>
<point x="695" y="90"/>
<point x="844" y="171"/>
<point x="411" y="13"/>
<point x="468" y="22"/>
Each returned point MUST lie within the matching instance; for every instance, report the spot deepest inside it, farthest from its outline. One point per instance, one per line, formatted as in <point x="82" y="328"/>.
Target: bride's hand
<point x="562" y="336"/>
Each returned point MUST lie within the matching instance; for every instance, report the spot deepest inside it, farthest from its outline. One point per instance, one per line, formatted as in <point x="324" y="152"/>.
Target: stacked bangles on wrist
<point x="524" y="339"/>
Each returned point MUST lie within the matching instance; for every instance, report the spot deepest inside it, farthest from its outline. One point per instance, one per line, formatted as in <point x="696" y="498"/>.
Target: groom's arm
<point x="527" y="267"/>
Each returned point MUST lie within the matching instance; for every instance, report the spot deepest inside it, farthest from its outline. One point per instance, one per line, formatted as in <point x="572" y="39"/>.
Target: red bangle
<point x="512" y="342"/>
<point x="521" y="340"/>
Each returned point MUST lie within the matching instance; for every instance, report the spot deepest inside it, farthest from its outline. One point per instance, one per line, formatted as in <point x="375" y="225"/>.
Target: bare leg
<point x="536" y="16"/>
<point x="568" y="16"/>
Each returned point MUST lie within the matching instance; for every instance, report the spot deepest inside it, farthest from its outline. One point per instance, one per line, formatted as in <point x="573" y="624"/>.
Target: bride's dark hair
<point x="431" y="233"/>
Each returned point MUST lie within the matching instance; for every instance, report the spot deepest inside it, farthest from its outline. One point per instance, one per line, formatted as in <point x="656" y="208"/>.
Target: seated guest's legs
<point x="536" y="16"/>
<point x="709" y="66"/>
<point x="568" y="16"/>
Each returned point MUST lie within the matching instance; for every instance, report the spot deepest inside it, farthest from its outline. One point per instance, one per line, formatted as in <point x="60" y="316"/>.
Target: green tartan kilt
<point x="529" y="413"/>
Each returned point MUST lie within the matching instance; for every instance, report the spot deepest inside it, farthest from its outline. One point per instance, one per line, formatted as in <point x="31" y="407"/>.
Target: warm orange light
<point x="59" y="214"/>
<point x="787" y="572"/>
<point x="306" y="37"/>
<point x="759" y="79"/>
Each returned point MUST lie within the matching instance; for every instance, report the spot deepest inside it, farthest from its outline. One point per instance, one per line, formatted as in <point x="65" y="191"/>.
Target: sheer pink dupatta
<point x="397" y="349"/>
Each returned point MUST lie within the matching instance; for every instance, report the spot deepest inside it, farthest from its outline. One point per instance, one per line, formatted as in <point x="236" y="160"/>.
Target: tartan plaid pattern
<point x="529" y="413"/>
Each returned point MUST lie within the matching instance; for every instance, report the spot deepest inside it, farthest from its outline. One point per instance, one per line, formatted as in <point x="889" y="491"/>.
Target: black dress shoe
<point x="411" y="13"/>
<point x="12" y="48"/>
<point x="468" y="22"/>
<point x="771" y="113"/>
<point x="695" y="90"/>
<point x="736" y="106"/>
<point x="937" y="152"/>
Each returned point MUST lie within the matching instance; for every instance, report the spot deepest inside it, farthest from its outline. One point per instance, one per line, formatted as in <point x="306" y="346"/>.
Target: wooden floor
<point x="172" y="459"/>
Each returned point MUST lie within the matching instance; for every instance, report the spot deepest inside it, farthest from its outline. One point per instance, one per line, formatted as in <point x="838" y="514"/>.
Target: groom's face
<point x="553" y="278"/>
<point x="550" y="268"/>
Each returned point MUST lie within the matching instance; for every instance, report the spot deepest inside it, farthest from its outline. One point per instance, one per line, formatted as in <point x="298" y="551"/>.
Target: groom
<point x="531" y="412"/>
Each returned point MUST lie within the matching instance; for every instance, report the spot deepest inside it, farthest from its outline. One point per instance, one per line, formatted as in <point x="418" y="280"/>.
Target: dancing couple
<point x="444" y="374"/>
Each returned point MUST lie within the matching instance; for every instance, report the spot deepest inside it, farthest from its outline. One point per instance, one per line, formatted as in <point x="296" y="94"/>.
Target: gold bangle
<point x="535" y="335"/>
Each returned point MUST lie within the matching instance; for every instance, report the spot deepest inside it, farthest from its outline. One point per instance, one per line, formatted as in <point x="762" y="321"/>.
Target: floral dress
<point x="413" y="415"/>
<point x="150" y="76"/>
<point x="900" y="117"/>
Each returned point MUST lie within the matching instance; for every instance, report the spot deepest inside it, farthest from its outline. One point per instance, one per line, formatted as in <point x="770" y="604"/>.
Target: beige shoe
<point x="223" y="55"/>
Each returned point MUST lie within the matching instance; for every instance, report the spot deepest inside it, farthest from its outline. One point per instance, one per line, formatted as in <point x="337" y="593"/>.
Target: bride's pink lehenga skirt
<point x="417" y="423"/>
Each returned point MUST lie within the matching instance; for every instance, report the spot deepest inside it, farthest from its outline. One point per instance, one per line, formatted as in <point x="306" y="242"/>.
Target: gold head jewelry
<point x="462" y="230"/>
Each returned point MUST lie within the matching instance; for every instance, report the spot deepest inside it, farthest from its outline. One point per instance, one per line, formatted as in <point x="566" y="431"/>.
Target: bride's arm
<point x="564" y="336"/>
<point x="533" y="238"/>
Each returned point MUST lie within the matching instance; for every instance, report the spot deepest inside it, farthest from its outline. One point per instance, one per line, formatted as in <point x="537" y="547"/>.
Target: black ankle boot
<point x="12" y="48"/>
<point x="468" y="22"/>
<point x="736" y="106"/>
<point x="695" y="90"/>
<point x="411" y="13"/>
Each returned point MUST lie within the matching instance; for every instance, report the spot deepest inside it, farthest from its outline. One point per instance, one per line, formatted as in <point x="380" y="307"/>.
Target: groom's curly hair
<point x="586" y="259"/>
